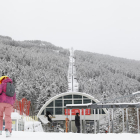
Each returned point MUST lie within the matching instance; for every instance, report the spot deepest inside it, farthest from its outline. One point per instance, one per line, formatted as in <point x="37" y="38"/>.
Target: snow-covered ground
<point x="21" y="135"/>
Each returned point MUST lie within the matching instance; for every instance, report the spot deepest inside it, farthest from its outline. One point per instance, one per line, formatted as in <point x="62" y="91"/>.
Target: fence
<point x="112" y="106"/>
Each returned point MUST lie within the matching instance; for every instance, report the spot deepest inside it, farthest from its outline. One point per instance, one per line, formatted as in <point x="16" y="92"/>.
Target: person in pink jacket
<point x="6" y="107"/>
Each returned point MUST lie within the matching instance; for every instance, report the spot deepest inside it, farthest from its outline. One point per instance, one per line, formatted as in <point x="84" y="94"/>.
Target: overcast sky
<point x="102" y="26"/>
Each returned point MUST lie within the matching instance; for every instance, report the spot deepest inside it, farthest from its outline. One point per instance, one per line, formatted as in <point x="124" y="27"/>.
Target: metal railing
<point x="102" y="105"/>
<point x="112" y="106"/>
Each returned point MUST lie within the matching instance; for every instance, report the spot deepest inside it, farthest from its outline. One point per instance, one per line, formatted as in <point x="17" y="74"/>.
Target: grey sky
<point x="101" y="26"/>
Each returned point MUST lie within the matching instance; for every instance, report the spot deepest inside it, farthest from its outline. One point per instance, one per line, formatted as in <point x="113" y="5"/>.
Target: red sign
<point x="74" y="111"/>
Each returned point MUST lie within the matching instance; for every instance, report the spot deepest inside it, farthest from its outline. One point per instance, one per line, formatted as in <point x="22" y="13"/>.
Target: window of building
<point x="77" y="96"/>
<point x="59" y="98"/>
<point x="67" y="102"/>
<point x="58" y="103"/>
<point x="58" y="111"/>
<point x="77" y="101"/>
<point x="93" y="102"/>
<point x="85" y="101"/>
<point x="68" y="97"/>
<point x="95" y="111"/>
<point x="85" y="97"/>
<point x="101" y="111"/>
<point x="50" y="105"/>
<point x="50" y="110"/>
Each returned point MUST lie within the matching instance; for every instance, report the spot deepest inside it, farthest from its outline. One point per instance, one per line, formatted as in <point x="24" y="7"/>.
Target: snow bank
<point x="32" y="126"/>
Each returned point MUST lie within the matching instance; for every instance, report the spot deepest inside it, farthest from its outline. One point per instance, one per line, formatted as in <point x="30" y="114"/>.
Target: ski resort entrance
<point x="57" y="107"/>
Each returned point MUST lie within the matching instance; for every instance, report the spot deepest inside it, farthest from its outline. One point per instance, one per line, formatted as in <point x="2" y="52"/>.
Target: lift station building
<point x="57" y="107"/>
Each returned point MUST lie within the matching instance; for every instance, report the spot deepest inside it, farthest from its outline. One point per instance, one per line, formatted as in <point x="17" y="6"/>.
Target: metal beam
<point x="123" y="117"/>
<point x="112" y="120"/>
<point x="109" y="121"/>
<point x="94" y="122"/>
<point x="127" y="120"/>
<point x="138" y="119"/>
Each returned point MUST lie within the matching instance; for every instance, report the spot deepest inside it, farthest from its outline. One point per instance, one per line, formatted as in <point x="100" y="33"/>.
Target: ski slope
<point x="21" y="135"/>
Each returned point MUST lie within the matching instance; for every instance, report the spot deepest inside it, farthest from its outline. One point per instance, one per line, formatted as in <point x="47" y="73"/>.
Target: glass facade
<point x="101" y="111"/>
<point x="59" y="98"/>
<point x="68" y="97"/>
<point x="85" y="97"/>
<point x="77" y="96"/>
<point x="51" y="104"/>
<point x="93" y="102"/>
<point x="67" y="102"/>
<point x="57" y="106"/>
<point x="58" y="103"/>
<point x="50" y="110"/>
<point x="58" y="111"/>
<point x="85" y="101"/>
<point x="77" y="101"/>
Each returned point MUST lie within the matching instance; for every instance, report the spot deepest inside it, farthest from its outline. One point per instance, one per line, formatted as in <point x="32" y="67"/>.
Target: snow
<point x="43" y="119"/>
<point x="33" y="126"/>
<point x="21" y="135"/>
<point x="15" y="115"/>
<point x="30" y="125"/>
<point x="33" y="130"/>
<point x="79" y="104"/>
<point x="124" y="103"/>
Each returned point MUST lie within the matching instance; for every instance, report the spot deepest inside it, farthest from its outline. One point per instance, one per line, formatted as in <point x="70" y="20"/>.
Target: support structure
<point x="123" y="117"/>
<point x="127" y="120"/>
<point x="138" y="118"/>
<point x="111" y="106"/>
<point x="81" y="120"/>
<point x="70" y="121"/>
<point x="98" y="122"/>
<point x="112" y="120"/>
<point x="84" y="121"/>
<point x="94" y="122"/>
<point x="109" y="121"/>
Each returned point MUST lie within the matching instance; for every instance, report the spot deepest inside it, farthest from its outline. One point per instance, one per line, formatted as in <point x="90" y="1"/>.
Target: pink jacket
<point x="3" y="97"/>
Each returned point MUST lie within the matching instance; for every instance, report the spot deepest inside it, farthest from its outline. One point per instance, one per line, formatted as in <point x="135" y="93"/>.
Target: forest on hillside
<point x="37" y="68"/>
<point x="106" y="77"/>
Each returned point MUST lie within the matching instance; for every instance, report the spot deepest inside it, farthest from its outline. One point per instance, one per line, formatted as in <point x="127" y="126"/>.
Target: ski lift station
<point x="57" y="107"/>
